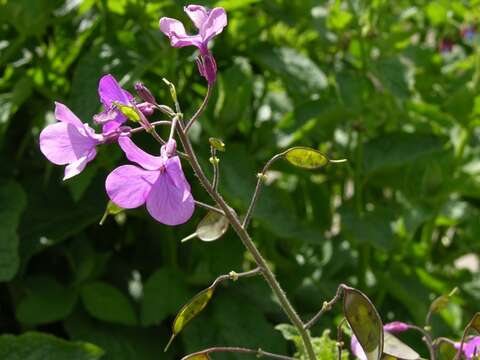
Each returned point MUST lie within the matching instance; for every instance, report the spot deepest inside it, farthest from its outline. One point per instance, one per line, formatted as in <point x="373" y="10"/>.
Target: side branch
<point x="200" y="109"/>
<point x="327" y="306"/>
<point x="261" y="179"/>
<point x="259" y="353"/>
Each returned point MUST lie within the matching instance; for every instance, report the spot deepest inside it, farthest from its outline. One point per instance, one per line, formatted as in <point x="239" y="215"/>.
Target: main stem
<point x="248" y="243"/>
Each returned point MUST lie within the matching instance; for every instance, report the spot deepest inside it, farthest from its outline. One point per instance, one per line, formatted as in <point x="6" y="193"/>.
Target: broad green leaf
<point x="446" y="351"/>
<point x="189" y="311"/>
<point x="300" y="74"/>
<point x="163" y="294"/>
<point x="37" y="346"/>
<point x="365" y="322"/>
<point x="13" y="201"/>
<point x="394" y="347"/>
<point x="230" y="5"/>
<point x="212" y="226"/>
<point x="107" y="303"/>
<point x="306" y="158"/>
<point x="118" y="341"/>
<point x="46" y="301"/>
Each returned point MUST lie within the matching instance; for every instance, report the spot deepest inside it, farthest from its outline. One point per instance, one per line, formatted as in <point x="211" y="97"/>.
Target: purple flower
<point x="471" y="348"/>
<point x="393" y="327"/>
<point x="209" y="23"/>
<point x="110" y="92"/>
<point x="69" y="142"/>
<point x="159" y="182"/>
<point x="468" y="33"/>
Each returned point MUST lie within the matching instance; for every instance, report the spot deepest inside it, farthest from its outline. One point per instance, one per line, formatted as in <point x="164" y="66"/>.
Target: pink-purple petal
<point x="197" y="13"/>
<point x="63" y="143"/>
<point x="169" y="203"/>
<point x="128" y="186"/>
<point x="64" y="114"/>
<point x="110" y="90"/>
<point x="217" y="20"/>
<point x="135" y="154"/>
<point x="75" y="167"/>
<point x="175" y="31"/>
<point x="174" y="170"/>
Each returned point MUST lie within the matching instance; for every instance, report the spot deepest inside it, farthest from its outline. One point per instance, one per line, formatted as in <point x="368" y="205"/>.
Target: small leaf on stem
<point x="365" y="322"/>
<point x="189" y="311"/>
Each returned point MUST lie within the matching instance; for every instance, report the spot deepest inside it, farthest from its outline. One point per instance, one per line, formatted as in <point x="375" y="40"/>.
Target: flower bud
<point x="144" y="93"/>
<point x="146" y="108"/>
<point x="207" y="67"/>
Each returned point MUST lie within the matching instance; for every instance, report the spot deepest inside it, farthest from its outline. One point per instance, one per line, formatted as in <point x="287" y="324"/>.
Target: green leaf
<point x="37" y="346"/>
<point x="13" y="202"/>
<point x="212" y="226"/>
<point x="396" y="150"/>
<point x="394" y="347"/>
<point x="305" y="158"/>
<point x="394" y="76"/>
<point x="190" y="310"/>
<point x="164" y="293"/>
<point x="46" y="301"/>
<point x="365" y="322"/>
<point x="300" y="74"/>
<point x="118" y="341"/>
<point x="107" y="303"/>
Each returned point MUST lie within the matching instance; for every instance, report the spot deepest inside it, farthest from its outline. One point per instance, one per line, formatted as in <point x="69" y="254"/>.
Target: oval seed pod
<point x="393" y="346"/>
<point x="365" y="322"/>
<point x="305" y="158"/>
<point x="189" y="311"/>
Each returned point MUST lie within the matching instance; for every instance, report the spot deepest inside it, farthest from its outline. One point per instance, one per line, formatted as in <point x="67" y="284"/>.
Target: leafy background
<point x="364" y="80"/>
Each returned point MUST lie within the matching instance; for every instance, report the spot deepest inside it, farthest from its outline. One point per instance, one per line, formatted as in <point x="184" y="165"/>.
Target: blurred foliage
<point x="370" y="81"/>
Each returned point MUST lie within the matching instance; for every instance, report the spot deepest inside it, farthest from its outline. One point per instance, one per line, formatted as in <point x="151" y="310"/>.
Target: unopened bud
<point x="144" y="93"/>
<point x="214" y="160"/>
<point x="173" y="91"/>
<point x="217" y="144"/>
<point x="166" y="110"/>
<point x="146" y="108"/>
<point x="262" y="177"/>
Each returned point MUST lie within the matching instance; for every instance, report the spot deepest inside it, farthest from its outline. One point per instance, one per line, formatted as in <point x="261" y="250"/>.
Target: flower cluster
<point x="157" y="181"/>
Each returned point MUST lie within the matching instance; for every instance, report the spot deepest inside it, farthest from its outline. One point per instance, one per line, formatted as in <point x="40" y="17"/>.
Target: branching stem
<point x="200" y="109"/>
<point x="327" y="306"/>
<point x="244" y="236"/>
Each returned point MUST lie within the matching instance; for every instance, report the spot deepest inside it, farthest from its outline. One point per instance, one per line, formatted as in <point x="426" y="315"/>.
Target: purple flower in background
<point x="159" y="182"/>
<point x="209" y="23"/>
<point x="395" y="327"/>
<point x="468" y="34"/>
<point x="69" y="142"/>
<point x="110" y="92"/>
<point x="445" y="46"/>
<point x="471" y="348"/>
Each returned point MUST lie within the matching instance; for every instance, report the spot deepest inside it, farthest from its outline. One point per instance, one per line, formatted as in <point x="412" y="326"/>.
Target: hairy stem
<point x="248" y="243"/>
<point x="209" y="207"/>
<point x="201" y="108"/>
<point x="235" y="276"/>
